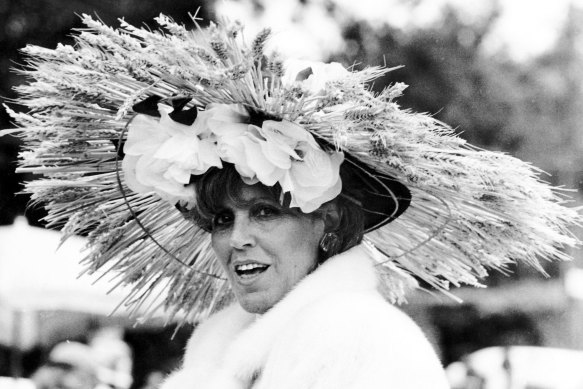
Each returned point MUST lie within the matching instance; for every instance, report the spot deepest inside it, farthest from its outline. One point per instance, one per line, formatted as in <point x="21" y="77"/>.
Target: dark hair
<point x="217" y="185"/>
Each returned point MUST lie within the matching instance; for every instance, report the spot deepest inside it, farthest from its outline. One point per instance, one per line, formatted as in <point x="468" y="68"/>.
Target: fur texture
<point x="333" y="331"/>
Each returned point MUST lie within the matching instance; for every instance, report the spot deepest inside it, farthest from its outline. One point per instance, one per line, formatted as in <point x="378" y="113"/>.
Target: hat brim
<point x="381" y="197"/>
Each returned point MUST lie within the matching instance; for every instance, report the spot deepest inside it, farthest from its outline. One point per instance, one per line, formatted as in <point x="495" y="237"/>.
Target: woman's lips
<point x="248" y="271"/>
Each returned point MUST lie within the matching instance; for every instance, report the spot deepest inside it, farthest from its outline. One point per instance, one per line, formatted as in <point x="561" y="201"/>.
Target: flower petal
<point x="267" y="172"/>
<point x="177" y="174"/>
<point x="173" y="128"/>
<point x="150" y="171"/>
<point x="225" y="120"/>
<point x="304" y="198"/>
<point x="313" y="181"/>
<point x="128" y="165"/>
<point x="322" y="73"/>
<point x="144" y="136"/>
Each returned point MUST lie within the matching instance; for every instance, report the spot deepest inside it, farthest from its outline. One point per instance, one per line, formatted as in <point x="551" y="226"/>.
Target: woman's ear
<point x="331" y="216"/>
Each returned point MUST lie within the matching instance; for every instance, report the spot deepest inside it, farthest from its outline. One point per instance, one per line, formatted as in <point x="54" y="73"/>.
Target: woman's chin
<point x="257" y="302"/>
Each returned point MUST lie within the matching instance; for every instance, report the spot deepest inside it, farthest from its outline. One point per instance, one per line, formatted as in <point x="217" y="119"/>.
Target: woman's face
<point x="264" y="249"/>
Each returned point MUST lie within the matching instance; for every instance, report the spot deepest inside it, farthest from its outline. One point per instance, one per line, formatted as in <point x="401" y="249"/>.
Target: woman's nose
<point x="241" y="234"/>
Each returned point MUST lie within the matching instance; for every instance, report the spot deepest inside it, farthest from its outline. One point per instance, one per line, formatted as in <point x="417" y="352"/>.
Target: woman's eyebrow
<point x="256" y="200"/>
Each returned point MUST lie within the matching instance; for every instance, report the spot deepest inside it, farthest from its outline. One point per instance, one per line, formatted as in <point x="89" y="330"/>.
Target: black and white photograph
<point x="291" y="194"/>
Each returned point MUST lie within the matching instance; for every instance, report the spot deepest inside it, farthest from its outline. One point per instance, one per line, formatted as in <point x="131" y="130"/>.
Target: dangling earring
<point x="329" y="241"/>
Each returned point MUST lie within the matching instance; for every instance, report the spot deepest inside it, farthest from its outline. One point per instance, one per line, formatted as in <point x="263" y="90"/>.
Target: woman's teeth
<point x="250" y="269"/>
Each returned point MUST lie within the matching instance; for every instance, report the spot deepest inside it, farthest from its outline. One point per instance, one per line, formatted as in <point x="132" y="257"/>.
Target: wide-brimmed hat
<point x="120" y="122"/>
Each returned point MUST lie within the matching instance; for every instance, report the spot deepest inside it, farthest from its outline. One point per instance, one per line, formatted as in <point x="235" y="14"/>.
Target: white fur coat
<point x="333" y="331"/>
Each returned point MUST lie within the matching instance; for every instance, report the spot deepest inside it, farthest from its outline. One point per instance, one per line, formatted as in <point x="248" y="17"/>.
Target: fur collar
<point x="231" y="347"/>
<point x="334" y="330"/>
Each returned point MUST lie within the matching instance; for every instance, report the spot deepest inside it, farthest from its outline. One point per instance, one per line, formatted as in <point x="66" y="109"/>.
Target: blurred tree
<point x="45" y="23"/>
<point x="532" y="110"/>
<point x="551" y="119"/>
<point x="448" y="76"/>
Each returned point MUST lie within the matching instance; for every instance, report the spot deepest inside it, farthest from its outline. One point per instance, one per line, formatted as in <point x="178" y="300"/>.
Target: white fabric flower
<point x="313" y="180"/>
<point x="235" y="144"/>
<point x="162" y="154"/>
<point x="310" y="174"/>
<point x="143" y="140"/>
<point x="285" y="153"/>
<point x="222" y="119"/>
<point x="189" y="149"/>
<point x="321" y="73"/>
<point x="244" y="152"/>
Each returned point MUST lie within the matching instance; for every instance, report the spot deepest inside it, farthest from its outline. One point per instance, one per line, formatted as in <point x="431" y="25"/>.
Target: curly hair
<point x="216" y="186"/>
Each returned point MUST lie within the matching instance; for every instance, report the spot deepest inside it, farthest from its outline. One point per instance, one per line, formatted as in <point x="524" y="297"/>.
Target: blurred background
<point x="506" y="74"/>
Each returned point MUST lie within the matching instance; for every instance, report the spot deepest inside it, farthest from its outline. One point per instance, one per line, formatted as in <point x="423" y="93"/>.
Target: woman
<point x="304" y="317"/>
<point x="70" y="365"/>
<point x="310" y="198"/>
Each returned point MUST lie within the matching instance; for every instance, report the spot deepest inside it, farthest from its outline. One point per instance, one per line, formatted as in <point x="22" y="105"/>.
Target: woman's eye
<point x="266" y="211"/>
<point x="222" y="219"/>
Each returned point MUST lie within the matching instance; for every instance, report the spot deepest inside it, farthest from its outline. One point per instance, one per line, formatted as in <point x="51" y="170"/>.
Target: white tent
<point x="41" y="289"/>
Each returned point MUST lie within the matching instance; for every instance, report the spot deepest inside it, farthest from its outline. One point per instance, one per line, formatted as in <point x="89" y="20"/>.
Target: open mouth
<point x="249" y="270"/>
